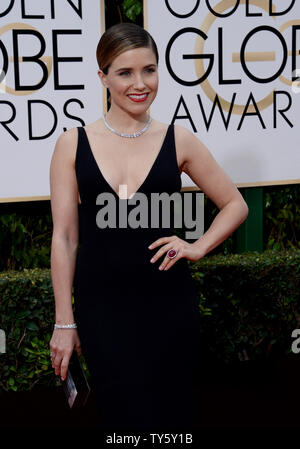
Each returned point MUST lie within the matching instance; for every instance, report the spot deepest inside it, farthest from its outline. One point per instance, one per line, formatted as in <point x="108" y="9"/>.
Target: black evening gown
<point x="138" y="326"/>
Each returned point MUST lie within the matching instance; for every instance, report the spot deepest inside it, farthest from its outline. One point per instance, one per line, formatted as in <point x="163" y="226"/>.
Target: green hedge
<point x="249" y="305"/>
<point x="26" y="310"/>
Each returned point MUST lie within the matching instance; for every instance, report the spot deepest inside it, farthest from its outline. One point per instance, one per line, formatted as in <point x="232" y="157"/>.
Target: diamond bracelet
<point x="65" y="326"/>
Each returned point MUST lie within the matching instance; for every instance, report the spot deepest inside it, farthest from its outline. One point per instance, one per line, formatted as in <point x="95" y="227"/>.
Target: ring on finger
<point x="172" y="253"/>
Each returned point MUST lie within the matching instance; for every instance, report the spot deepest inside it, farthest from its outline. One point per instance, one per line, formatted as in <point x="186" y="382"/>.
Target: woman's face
<point x="132" y="80"/>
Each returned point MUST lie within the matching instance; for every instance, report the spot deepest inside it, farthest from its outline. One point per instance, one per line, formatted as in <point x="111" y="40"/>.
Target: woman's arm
<point x="204" y="170"/>
<point x="64" y="207"/>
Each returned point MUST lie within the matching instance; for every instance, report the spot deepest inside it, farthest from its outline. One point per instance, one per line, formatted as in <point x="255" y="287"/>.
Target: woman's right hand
<point x="62" y="344"/>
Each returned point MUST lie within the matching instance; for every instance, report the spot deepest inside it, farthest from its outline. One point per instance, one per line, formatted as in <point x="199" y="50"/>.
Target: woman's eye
<point x="124" y="73"/>
<point x="150" y="70"/>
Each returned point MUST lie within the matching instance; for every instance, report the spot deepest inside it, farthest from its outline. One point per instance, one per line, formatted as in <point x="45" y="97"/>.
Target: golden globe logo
<point x="215" y="71"/>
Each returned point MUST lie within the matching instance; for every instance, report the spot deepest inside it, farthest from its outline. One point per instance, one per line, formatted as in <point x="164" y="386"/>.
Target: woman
<point x="137" y="320"/>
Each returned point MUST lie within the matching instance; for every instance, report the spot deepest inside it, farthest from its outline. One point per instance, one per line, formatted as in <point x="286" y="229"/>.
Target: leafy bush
<point x="25" y="240"/>
<point x="249" y="303"/>
<point x="282" y="217"/>
<point x="26" y="311"/>
<point x="132" y="9"/>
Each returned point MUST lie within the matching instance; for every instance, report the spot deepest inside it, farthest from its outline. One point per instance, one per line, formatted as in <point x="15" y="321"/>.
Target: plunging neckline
<point x="148" y="173"/>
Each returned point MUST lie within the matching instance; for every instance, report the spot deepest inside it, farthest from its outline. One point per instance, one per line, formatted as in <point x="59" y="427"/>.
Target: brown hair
<point x="120" y="38"/>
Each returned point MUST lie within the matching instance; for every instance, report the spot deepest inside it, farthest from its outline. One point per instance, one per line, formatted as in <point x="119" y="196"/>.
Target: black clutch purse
<point x="75" y="386"/>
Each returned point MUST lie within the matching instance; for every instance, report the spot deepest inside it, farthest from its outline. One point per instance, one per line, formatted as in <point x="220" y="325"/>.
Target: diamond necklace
<point x="139" y="133"/>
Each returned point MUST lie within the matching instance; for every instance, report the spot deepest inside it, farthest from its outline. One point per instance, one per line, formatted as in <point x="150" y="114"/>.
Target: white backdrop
<point x="255" y="143"/>
<point x="70" y="95"/>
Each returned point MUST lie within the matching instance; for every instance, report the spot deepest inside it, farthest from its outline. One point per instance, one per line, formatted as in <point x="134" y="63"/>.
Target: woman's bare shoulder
<point x="66" y="145"/>
<point x="69" y="136"/>
<point x="186" y="138"/>
<point x="183" y="133"/>
<point x="190" y="147"/>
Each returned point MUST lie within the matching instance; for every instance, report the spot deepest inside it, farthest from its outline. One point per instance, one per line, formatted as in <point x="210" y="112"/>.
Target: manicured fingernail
<point x="161" y="267"/>
<point x="150" y="246"/>
<point x="152" y="260"/>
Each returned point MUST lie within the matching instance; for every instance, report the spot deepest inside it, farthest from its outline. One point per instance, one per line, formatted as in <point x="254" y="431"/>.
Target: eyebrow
<point x="129" y="68"/>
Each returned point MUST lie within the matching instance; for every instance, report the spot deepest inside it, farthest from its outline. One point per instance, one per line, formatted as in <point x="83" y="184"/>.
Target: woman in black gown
<point x="137" y="325"/>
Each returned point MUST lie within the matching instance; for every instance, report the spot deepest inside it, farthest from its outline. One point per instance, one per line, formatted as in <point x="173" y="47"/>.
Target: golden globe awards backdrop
<point x="228" y="72"/>
<point x="49" y="83"/>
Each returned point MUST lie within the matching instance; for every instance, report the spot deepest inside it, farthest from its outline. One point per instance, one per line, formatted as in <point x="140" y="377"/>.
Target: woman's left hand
<point x="188" y="250"/>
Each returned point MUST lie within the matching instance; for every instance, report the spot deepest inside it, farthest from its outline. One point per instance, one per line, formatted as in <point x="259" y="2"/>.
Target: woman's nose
<point x="139" y="82"/>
